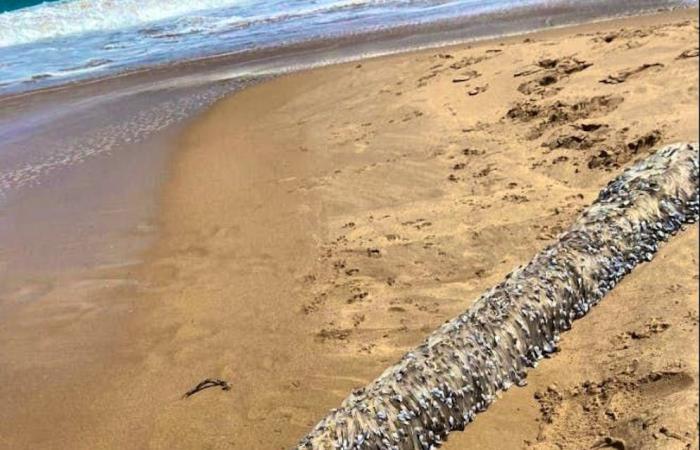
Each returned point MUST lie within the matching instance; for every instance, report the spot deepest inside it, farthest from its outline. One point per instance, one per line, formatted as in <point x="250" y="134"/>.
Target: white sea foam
<point x="52" y="43"/>
<point x="72" y="17"/>
<point x="68" y="17"/>
<point x="67" y="40"/>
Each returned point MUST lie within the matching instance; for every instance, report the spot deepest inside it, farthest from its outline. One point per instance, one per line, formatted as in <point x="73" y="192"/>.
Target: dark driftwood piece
<point x="440" y="386"/>
<point x="206" y="384"/>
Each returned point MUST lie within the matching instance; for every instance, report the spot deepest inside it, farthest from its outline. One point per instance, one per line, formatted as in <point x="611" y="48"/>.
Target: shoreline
<point x="155" y="82"/>
<point x="432" y="35"/>
<point x="208" y="300"/>
<point x="262" y="392"/>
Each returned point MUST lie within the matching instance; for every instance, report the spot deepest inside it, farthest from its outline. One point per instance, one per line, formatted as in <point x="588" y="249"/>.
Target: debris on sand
<point x="456" y="373"/>
<point x="206" y="384"/>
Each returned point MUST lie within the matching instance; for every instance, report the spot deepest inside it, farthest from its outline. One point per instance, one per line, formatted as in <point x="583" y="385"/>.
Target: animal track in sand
<point x="485" y="171"/>
<point x="651" y="328"/>
<point x="315" y="304"/>
<point x="357" y="295"/>
<point x="412" y="115"/>
<point x="472" y="152"/>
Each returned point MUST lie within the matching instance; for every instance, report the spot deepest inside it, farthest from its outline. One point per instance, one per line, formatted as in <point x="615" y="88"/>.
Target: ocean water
<point x="55" y="42"/>
<point x="9" y="5"/>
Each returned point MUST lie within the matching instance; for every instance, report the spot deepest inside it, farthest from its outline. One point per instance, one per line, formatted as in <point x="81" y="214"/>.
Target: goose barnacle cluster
<point x="457" y="371"/>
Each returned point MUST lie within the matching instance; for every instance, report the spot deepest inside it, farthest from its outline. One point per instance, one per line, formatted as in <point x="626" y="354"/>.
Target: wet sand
<point x="313" y="228"/>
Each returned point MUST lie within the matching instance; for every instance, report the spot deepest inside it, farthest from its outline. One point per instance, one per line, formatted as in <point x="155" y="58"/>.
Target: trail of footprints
<point x="572" y="131"/>
<point x="618" y="412"/>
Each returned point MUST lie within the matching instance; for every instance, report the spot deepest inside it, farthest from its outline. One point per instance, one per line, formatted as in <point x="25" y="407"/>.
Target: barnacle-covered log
<point x="440" y="386"/>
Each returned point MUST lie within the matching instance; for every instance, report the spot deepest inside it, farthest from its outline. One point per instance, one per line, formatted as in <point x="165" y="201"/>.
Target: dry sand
<point x="317" y="226"/>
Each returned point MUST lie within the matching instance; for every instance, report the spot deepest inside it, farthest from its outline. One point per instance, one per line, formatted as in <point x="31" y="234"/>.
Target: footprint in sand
<point x="478" y="90"/>
<point x="622" y="34"/>
<point x="333" y="334"/>
<point x="559" y="113"/>
<point x="467" y="61"/>
<point x="556" y="70"/>
<point x="624" y="75"/>
<point x="619" y="153"/>
<point x="586" y="135"/>
<point x="466" y="76"/>
<point x="692" y="53"/>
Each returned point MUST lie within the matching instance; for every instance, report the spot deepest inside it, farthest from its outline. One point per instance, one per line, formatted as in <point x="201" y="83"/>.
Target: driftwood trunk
<point x="440" y="386"/>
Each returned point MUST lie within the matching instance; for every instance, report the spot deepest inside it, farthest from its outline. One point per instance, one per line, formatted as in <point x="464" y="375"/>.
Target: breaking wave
<point x="71" y="17"/>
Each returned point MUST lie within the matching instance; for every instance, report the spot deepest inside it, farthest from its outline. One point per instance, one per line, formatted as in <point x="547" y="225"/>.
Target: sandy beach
<point x="313" y="228"/>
